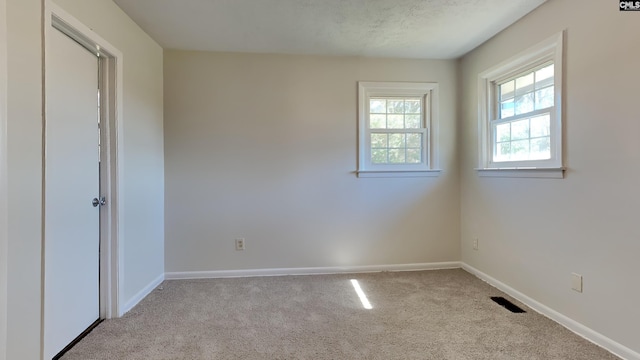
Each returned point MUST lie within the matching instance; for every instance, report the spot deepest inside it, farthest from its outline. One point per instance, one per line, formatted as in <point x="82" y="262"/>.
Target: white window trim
<point x="429" y="167"/>
<point x="549" y="49"/>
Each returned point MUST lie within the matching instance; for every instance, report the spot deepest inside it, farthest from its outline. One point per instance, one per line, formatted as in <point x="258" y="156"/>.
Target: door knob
<point x="99" y="202"/>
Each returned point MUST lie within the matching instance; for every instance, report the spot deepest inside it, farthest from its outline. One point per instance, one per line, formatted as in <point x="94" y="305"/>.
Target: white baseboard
<point x="142" y="294"/>
<point x="576" y="327"/>
<point x="309" y="271"/>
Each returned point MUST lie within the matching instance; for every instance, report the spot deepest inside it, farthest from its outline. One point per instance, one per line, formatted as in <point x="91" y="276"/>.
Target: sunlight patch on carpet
<point x="363" y="297"/>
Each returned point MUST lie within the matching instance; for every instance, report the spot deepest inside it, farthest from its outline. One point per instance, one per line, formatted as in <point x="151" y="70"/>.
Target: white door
<point x="72" y="226"/>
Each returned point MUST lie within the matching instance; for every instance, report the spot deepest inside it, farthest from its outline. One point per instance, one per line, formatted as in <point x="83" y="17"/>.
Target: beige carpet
<point x="445" y="314"/>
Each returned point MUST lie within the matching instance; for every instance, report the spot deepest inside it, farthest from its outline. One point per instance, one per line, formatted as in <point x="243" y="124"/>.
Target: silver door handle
<point x="99" y="202"/>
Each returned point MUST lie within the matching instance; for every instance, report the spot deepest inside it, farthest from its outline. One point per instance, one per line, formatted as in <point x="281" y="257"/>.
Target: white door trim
<point x="4" y="191"/>
<point x="111" y="247"/>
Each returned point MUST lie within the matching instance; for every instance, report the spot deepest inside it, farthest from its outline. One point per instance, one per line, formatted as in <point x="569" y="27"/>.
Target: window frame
<point x="428" y="93"/>
<point x="545" y="52"/>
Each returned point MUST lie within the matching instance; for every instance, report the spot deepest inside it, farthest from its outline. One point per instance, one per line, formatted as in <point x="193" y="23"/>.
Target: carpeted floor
<point x="444" y="314"/>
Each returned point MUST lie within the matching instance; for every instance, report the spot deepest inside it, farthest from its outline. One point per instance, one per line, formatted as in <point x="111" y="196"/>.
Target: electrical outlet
<point x="576" y="282"/>
<point x="475" y="244"/>
<point x="240" y="244"/>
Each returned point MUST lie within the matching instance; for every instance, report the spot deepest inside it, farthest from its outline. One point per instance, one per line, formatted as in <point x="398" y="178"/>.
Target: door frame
<point x="111" y="175"/>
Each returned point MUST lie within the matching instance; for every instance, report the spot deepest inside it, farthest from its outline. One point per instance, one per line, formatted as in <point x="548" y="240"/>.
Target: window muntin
<point x="522" y="129"/>
<point x="395" y="113"/>
<point x="397" y="130"/>
<point x="526" y="93"/>
<point x="523" y="139"/>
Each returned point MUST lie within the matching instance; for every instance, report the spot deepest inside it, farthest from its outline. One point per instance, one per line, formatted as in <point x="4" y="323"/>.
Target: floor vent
<point x="507" y="304"/>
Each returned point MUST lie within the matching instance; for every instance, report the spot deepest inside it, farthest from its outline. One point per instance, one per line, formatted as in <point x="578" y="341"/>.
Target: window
<point x="520" y="113"/>
<point x="397" y="122"/>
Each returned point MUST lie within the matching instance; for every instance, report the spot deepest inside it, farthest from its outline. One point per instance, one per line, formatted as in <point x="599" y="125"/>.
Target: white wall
<point x="534" y="232"/>
<point x="24" y="161"/>
<point x="265" y="147"/>
<point x="143" y="139"/>
<point x="143" y="159"/>
<point x="3" y="180"/>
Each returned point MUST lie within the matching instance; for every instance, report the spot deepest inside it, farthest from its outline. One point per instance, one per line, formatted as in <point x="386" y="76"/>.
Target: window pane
<point x="414" y="140"/>
<point x="544" y="77"/>
<point x="378" y="106"/>
<point x="506" y="109"/>
<point x="396" y="113"/>
<point x="396" y="156"/>
<point x="379" y="156"/>
<point x="525" y="139"/>
<point x="520" y="129"/>
<point x="520" y="150"/>
<point x="378" y="140"/>
<point x="524" y="103"/>
<point x="503" y="151"/>
<point x="533" y="91"/>
<point x="540" y="148"/>
<point x="412" y="122"/>
<point x="412" y="106"/>
<point x="414" y="156"/>
<point x="396" y="148"/>
<point x="506" y="90"/>
<point x="540" y="126"/>
<point x="378" y="121"/>
<point x="395" y="121"/>
<point x="395" y="106"/>
<point x="503" y="132"/>
<point x="396" y="140"/>
<point x="524" y="84"/>
<point x="544" y="98"/>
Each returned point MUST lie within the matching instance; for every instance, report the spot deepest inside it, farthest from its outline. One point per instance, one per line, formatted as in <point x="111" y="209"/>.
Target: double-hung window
<point x="397" y="122"/>
<point x="520" y="113"/>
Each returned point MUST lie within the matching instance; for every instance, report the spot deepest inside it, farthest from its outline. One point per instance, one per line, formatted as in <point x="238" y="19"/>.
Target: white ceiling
<point x="436" y="29"/>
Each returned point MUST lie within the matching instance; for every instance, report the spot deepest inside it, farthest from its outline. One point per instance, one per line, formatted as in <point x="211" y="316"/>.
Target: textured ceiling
<point x="437" y="29"/>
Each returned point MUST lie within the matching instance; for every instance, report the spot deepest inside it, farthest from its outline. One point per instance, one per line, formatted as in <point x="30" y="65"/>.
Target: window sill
<point x="548" y="173"/>
<point x="397" y="173"/>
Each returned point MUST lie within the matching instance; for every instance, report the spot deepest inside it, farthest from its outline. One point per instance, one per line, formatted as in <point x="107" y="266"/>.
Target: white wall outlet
<point x="475" y="244"/>
<point x="576" y="282"/>
<point x="240" y="244"/>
